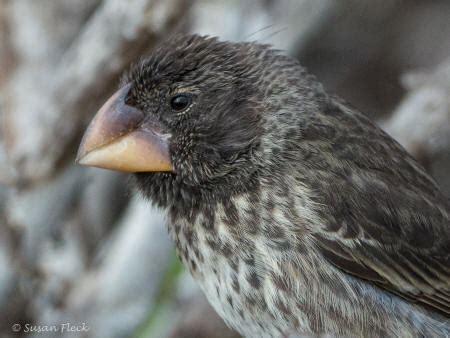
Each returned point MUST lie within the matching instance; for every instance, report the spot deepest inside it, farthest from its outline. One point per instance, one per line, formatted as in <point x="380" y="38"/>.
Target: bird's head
<point x="189" y="115"/>
<point x="200" y="116"/>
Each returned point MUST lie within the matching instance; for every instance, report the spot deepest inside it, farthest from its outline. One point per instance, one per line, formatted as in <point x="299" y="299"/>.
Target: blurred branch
<point x="117" y="293"/>
<point x="421" y="123"/>
<point x="7" y="173"/>
<point x="68" y="93"/>
<point x="284" y="24"/>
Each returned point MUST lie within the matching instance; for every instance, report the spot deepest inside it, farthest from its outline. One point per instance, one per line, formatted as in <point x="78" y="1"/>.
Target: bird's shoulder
<point x="382" y="217"/>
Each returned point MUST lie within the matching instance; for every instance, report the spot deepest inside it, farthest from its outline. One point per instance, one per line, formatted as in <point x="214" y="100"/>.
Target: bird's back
<point x="380" y="218"/>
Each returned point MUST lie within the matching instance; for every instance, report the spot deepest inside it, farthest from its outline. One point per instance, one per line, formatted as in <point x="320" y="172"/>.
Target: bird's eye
<point x="180" y="102"/>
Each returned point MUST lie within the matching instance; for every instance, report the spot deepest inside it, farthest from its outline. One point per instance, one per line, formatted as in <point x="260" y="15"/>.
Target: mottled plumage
<point x="294" y="212"/>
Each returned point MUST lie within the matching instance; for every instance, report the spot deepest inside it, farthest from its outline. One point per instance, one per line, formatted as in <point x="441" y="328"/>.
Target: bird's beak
<point x="121" y="138"/>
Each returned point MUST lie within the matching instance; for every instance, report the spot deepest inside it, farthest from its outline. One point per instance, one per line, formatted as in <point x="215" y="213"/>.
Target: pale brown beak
<point x="122" y="138"/>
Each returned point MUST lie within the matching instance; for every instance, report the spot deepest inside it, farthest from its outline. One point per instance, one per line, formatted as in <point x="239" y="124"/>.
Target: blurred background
<point x="77" y="246"/>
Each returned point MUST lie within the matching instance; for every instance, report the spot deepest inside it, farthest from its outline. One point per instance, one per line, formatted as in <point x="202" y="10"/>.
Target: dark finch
<point x="294" y="212"/>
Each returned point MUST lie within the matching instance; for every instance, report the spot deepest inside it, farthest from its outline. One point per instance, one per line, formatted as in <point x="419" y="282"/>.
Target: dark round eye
<point x="180" y="102"/>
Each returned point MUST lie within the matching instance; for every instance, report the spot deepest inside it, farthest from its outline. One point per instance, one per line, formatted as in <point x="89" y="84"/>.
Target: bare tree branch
<point x="421" y="123"/>
<point x="61" y="97"/>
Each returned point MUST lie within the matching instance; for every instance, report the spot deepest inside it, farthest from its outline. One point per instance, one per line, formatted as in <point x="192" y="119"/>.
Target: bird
<point x="295" y="213"/>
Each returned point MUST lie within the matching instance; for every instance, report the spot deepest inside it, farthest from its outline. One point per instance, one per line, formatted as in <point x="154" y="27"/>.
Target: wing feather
<point x="383" y="218"/>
